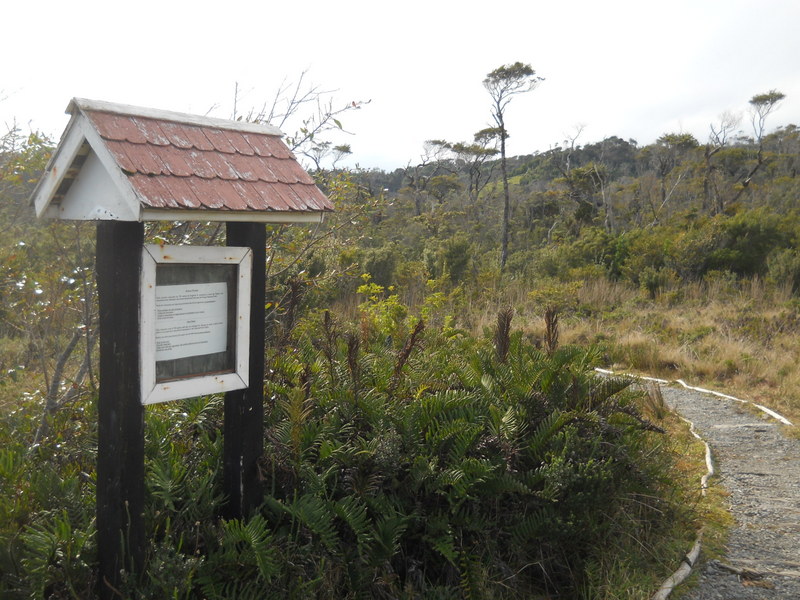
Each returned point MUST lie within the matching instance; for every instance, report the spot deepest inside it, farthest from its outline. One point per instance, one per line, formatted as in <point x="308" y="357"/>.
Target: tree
<point x="717" y="140"/>
<point x="665" y="155"/>
<point x="432" y="163"/>
<point x="46" y="284"/>
<point x="307" y="114"/>
<point x="472" y="157"/>
<point x="586" y="185"/>
<point x="761" y="105"/>
<point x="503" y="84"/>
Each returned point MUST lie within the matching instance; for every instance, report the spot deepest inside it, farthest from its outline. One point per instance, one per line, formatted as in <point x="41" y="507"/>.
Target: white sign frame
<point x="153" y="391"/>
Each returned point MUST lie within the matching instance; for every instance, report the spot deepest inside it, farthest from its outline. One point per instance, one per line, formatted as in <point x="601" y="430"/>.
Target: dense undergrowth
<point x="400" y="463"/>
<point x="450" y="461"/>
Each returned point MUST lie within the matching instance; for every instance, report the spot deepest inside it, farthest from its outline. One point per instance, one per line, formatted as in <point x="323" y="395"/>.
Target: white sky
<point x="631" y="68"/>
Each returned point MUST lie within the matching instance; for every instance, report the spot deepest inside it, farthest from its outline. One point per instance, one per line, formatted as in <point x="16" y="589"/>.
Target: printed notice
<point x="191" y="320"/>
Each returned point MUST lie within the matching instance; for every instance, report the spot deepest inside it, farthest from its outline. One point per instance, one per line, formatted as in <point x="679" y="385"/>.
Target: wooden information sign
<point x="195" y="321"/>
<point x="175" y="322"/>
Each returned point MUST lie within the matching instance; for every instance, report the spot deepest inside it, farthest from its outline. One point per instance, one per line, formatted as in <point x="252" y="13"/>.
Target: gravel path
<point x="760" y="468"/>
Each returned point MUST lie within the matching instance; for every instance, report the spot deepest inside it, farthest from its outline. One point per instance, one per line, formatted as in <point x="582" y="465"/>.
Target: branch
<point x="51" y="403"/>
<point x="667" y="197"/>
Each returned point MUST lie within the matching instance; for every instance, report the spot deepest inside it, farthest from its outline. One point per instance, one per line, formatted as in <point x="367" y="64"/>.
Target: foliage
<point x="443" y="467"/>
<point x="405" y="457"/>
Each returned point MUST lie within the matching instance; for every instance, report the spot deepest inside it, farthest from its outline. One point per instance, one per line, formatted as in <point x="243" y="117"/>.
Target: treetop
<point x="512" y="78"/>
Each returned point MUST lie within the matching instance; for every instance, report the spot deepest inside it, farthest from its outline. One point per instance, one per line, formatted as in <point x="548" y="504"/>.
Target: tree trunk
<point x="506" y="200"/>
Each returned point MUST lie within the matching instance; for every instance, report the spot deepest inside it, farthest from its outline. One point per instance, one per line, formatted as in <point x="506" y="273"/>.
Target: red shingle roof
<point x="199" y="163"/>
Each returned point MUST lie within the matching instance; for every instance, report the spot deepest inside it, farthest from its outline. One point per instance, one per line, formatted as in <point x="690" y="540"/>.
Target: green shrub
<point x="450" y="257"/>
<point x="428" y="467"/>
<point x="747" y="241"/>
<point x="783" y="269"/>
<point x="381" y="263"/>
<point x="655" y="281"/>
<point x="637" y="251"/>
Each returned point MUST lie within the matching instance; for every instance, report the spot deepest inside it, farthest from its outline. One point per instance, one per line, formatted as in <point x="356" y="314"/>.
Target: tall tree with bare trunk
<point x="503" y="84"/>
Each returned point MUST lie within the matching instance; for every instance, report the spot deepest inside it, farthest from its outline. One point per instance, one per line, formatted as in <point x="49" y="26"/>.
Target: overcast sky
<point x="631" y="68"/>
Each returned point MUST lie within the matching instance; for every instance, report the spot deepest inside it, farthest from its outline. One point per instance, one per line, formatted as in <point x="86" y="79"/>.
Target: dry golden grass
<point x="737" y="338"/>
<point x="605" y="294"/>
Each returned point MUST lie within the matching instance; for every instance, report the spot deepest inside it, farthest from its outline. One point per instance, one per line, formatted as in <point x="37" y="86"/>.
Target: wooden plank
<point x="120" y="443"/>
<point x="243" y="443"/>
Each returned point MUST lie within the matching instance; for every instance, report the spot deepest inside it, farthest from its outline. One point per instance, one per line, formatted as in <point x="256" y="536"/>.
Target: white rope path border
<point x="768" y="411"/>
<point x="690" y="559"/>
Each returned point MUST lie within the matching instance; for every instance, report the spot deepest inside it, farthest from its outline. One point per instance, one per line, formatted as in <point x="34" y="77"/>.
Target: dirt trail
<point x="760" y="468"/>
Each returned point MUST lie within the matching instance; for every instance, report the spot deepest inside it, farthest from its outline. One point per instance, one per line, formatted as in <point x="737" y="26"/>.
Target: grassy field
<point x="740" y="338"/>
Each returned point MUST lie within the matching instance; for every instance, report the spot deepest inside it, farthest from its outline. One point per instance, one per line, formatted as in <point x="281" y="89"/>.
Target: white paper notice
<point x="191" y="320"/>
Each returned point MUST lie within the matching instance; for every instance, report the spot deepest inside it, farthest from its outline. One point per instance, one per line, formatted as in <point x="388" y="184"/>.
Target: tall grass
<point x="739" y="335"/>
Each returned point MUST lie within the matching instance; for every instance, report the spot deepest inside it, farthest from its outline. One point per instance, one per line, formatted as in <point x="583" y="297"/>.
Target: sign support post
<point x="120" y="443"/>
<point x="243" y="441"/>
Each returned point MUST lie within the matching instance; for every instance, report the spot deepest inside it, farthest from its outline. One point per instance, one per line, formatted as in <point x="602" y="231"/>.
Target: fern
<point x="463" y="478"/>
<point x="54" y="555"/>
<point x="470" y="576"/>
<point x="354" y="512"/>
<point x="508" y="483"/>
<point x="453" y="438"/>
<point x="533" y="525"/>
<point x="241" y="589"/>
<point x="256" y="537"/>
<point x="439" y="534"/>
<point x="310" y="512"/>
<point x="11" y="463"/>
<point x="544" y="432"/>
<point x="388" y="531"/>
<point x="245" y="561"/>
<point x="165" y="478"/>
<point x="602" y="389"/>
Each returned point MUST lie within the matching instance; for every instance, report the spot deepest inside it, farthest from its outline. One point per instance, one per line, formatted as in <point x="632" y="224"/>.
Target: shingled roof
<point x="137" y="164"/>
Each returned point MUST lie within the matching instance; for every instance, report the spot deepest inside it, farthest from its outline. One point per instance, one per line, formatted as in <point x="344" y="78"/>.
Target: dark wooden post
<point x="244" y="409"/>
<point x="120" y="436"/>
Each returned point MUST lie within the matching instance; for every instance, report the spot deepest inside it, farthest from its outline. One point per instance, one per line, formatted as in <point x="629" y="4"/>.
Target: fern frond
<point x="254" y="539"/>
<point x="507" y="483"/>
<point x="353" y="511"/>
<point x="604" y="388"/>
<point x="387" y="533"/>
<point x="533" y="525"/>
<point x="470" y="576"/>
<point x="544" y="433"/>
<point x="314" y="514"/>
<point x="439" y="534"/>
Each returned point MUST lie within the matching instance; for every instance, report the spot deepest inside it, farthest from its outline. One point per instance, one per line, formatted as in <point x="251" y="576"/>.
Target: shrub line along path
<point x="759" y="467"/>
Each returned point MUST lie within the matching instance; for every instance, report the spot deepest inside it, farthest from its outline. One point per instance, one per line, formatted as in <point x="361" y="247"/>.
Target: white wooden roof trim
<point x="92" y="195"/>
<point x="57" y="167"/>
<point x="85" y="104"/>
<point x="127" y="194"/>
